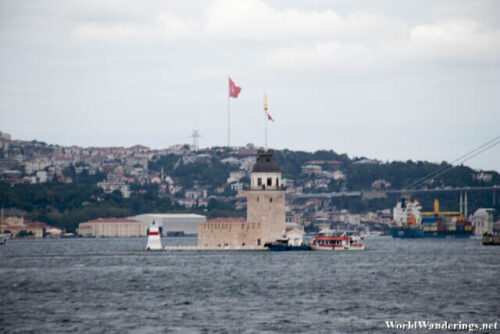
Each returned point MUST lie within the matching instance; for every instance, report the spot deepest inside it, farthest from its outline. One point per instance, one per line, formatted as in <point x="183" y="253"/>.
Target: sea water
<point x="112" y="286"/>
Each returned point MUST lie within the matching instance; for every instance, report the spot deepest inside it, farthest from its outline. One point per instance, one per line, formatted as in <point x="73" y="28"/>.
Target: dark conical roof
<point x="265" y="163"/>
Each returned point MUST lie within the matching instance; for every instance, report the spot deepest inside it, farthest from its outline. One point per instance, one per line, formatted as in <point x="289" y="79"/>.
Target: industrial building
<point x="173" y="224"/>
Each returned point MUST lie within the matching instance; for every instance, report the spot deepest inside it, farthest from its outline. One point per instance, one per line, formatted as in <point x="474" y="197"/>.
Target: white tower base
<point x="154" y="240"/>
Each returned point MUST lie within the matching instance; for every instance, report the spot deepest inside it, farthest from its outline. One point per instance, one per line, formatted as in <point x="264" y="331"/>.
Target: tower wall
<point x="268" y="208"/>
<point x="261" y="181"/>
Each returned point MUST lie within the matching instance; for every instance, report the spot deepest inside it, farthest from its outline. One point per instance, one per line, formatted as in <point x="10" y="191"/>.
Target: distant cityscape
<point x="190" y="178"/>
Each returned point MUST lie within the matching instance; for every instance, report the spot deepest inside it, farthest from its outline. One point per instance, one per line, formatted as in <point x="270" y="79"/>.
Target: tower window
<point x="269" y="181"/>
<point x="271" y="199"/>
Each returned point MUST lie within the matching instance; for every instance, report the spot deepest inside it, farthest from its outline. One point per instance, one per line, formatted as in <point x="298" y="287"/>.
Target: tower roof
<point x="265" y="163"/>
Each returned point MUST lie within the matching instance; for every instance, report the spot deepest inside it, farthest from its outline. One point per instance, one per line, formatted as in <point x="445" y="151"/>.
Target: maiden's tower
<point x="265" y="220"/>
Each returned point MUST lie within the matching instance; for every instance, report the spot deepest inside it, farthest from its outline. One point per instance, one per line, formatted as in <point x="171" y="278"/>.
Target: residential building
<point x="113" y="227"/>
<point x="312" y="170"/>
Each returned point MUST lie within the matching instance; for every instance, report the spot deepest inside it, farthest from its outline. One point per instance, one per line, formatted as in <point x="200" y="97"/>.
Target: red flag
<point x="270" y="118"/>
<point x="233" y="89"/>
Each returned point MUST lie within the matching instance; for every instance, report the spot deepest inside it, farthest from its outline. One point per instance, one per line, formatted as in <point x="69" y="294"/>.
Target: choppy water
<point x="107" y="285"/>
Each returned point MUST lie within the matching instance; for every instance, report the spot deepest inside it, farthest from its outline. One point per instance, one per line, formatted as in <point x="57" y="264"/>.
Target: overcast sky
<point x="392" y="80"/>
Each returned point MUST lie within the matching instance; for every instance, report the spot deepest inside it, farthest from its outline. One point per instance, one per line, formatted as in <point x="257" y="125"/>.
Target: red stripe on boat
<point x="331" y="238"/>
<point x="154" y="233"/>
<point x="328" y="246"/>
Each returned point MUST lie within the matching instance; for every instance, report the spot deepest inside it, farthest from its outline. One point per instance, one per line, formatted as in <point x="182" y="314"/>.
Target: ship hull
<point x="287" y="248"/>
<point x="337" y="249"/>
<point x="407" y="233"/>
<point x="415" y="233"/>
<point x="490" y="240"/>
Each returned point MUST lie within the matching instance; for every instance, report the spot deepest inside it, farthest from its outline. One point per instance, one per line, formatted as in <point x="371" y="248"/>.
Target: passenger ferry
<point x="328" y="241"/>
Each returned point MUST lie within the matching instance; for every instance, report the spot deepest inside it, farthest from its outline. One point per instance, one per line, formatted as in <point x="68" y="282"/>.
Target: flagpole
<point x="265" y="122"/>
<point x="228" y="118"/>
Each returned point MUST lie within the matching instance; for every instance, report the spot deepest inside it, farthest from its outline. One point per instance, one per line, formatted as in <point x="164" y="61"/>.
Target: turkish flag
<point x="270" y="118"/>
<point x="233" y="89"/>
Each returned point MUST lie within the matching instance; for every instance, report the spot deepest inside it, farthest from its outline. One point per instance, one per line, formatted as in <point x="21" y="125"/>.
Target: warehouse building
<point x="174" y="224"/>
<point x="113" y="227"/>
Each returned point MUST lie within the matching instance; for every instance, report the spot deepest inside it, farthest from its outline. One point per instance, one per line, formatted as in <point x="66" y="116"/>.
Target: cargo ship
<point x="410" y="222"/>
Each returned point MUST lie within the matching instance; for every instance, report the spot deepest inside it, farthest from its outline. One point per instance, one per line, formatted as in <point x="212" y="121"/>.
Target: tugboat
<point x="328" y="241"/>
<point x="283" y="245"/>
<point x="491" y="239"/>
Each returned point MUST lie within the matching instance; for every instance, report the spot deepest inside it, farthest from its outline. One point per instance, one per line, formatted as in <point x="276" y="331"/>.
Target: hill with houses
<point x="63" y="186"/>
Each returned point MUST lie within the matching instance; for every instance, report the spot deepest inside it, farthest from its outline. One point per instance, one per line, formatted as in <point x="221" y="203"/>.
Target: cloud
<point x="255" y="20"/>
<point x="165" y="26"/>
<point x="325" y="55"/>
<point x="463" y="40"/>
<point x="452" y="41"/>
<point x="308" y="39"/>
<point x="244" y="21"/>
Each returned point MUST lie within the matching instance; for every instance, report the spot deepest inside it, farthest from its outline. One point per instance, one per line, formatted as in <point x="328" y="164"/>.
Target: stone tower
<point x="266" y="198"/>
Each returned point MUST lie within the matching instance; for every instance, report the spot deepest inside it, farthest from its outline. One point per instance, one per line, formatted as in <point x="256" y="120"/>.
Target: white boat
<point x="342" y="242"/>
<point x="4" y="237"/>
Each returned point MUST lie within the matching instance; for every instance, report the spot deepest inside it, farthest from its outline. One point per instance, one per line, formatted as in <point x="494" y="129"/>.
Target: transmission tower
<point x="196" y="136"/>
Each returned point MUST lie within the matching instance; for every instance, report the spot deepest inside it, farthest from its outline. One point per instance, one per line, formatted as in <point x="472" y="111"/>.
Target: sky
<point x="390" y="80"/>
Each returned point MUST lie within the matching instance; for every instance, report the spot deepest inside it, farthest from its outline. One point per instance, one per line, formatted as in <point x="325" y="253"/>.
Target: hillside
<point x="67" y="185"/>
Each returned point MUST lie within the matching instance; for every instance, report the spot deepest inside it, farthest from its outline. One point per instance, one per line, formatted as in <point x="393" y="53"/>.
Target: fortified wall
<point x="229" y="232"/>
